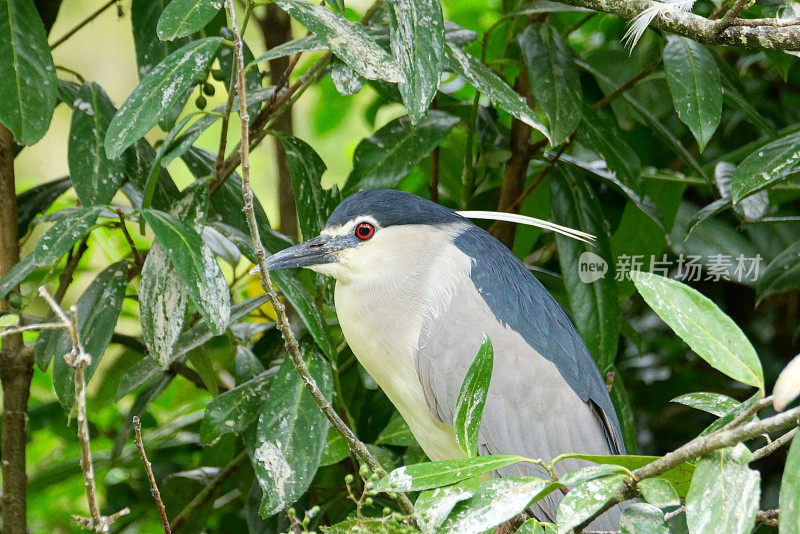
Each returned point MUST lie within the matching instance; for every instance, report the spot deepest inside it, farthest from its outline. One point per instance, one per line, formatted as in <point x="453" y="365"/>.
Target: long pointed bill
<point x="318" y="251"/>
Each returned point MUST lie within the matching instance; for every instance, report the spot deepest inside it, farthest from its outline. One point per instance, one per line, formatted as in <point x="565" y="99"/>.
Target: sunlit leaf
<point x="183" y="17"/>
<point x="703" y="326"/>
<point x="584" y="500"/>
<point x="713" y="403"/>
<point x="29" y="89"/>
<point x="766" y="166"/>
<point x="472" y="398"/>
<point x="642" y="518"/>
<point x="658" y="492"/>
<point x="433" y="506"/>
<point x="430" y="475"/>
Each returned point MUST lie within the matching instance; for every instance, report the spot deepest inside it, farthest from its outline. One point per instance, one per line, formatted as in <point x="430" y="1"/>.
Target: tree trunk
<point x="16" y="362"/>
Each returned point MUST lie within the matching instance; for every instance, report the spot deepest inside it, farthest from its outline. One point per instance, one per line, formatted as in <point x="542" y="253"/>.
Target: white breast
<point x="382" y="317"/>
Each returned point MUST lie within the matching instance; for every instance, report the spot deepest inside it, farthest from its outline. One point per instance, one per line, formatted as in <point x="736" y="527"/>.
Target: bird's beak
<point x="318" y="251"/>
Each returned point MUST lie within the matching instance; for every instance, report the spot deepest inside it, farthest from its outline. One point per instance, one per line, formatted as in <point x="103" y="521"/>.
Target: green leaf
<point x="601" y="132"/>
<point x="472" y="398"/>
<point x="336" y="449"/>
<point x="642" y="518"/>
<point x="70" y="226"/>
<point x="713" y="403"/>
<point x="38" y="200"/>
<point x="553" y="78"/>
<point x="703" y="326"/>
<point x="417" y="41"/>
<point x="533" y="526"/>
<point x="390" y="154"/>
<point x="590" y="472"/>
<point x="396" y="433"/>
<point x="766" y="166"/>
<point x="314" y="204"/>
<point x="725" y="493"/>
<point x="184" y="17"/>
<point x="495" y="502"/>
<point x="790" y="488"/>
<point x="140" y="161"/>
<point x="658" y="492"/>
<point x="29" y="90"/>
<point x="584" y="500"/>
<point x="433" y="506"/>
<point x="98" y="309"/>
<point x="205" y="370"/>
<point x="16" y="275"/>
<point x="196" y="266"/>
<point x="94" y="177"/>
<point x="734" y="412"/>
<point x="235" y="410"/>
<point x="695" y="85"/>
<point x="498" y="91"/>
<point x="349" y="41"/>
<point x="592" y="293"/>
<point x="346" y="80"/>
<point x="430" y="475"/>
<point x="304" y="305"/>
<point x="291" y="434"/>
<point x="160" y="88"/>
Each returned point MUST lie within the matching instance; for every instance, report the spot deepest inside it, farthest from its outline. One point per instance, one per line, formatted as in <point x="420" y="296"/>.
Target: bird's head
<point x="371" y="231"/>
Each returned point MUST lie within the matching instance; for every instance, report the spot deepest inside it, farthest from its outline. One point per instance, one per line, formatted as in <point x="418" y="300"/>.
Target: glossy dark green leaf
<point x="95" y="177"/>
<point x="498" y="91"/>
<point x="725" y="493"/>
<point x="553" y="78"/>
<point x="314" y="204"/>
<point x="98" y="309"/>
<point x="291" y="434"/>
<point x="16" y="275"/>
<point x="430" y="475"/>
<point x="184" y="17"/>
<point x="782" y="274"/>
<point x="707" y="211"/>
<point x="713" y="403"/>
<point x="349" y="41"/>
<point x="160" y="88"/>
<point x="472" y="398"/>
<point x="584" y="500"/>
<point x="391" y="153"/>
<point x="766" y="166"/>
<point x="196" y="266"/>
<point x="38" y="200"/>
<point x="29" y="89"/>
<point x="70" y="226"/>
<point x="495" y="502"/>
<point x="601" y="132"/>
<point x="790" y="488"/>
<point x="140" y="160"/>
<point x="751" y="208"/>
<point x="304" y="304"/>
<point x="396" y="432"/>
<point x="335" y="450"/>
<point x="695" y="84"/>
<point x="710" y="333"/>
<point x="417" y="41"/>
<point x="587" y="270"/>
<point x="234" y="410"/>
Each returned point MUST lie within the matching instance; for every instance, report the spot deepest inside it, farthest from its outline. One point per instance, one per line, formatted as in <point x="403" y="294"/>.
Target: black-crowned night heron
<point x="417" y="285"/>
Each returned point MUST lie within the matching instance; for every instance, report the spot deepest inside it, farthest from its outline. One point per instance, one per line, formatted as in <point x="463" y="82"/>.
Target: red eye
<point x="364" y="231"/>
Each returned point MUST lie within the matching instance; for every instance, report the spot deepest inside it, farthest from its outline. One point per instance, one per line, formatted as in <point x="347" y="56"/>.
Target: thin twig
<point x="39" y="326"/>
<point x="137" y="440"/>
<point x="773" y="446"/>
<point x="626" y="86"/>
<point x="768" y="517"/>
<point x="207" y="492"/>
<point x="732" y="14"/>
<point x="136" y="256"/>
<point x="65" y="278"/>
<point x="83" y="23"/>
<point x="266" y="282"/>
<point x="757" y="406"/>
<point x="567" y="32"/>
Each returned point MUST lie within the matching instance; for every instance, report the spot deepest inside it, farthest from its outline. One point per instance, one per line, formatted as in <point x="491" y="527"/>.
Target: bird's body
<point x="414" y="300"/>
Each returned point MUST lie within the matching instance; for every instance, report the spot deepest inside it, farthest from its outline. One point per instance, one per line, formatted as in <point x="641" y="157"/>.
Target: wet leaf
<point x="98" y="309"/>
<point x="291" y="434"/>
<point x="713" y="403"/>
<point x="95" y="177"/>
<point x="790" y="488"/>
<point x="725" y="493"/>
<point x="430" y="475"/>
<point x="495" y="502"/>
<point x="390" y="154"/>
<point x="417" y="41"/>
<point x="488" y="83"/>
<point x="695" y="85"/>
<point x="29" y="90"/>
<point x="601" y="132"/>
<point x="161" y="87"/>
<point x="553" y="78"/>
<point x="234" y="410"/>
<point x="472" y="398"/>
<point x="70" y="226"/>
<point x="349" y="41"/>
<point x="703" y="326"/>
<point x="766" y="166"/>
<point x="37" y="200"/>
<point x="584" y="500"/>
<point x="184" y="17"/>
<point x="196" y="267"/>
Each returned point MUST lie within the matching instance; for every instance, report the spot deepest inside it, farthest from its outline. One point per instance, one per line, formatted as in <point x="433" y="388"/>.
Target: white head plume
<point x="643" y="19"/>
<point x="530" y="221"/>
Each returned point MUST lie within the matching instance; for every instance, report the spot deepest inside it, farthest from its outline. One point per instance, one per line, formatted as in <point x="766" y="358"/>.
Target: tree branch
<point x="700" y="28"/>
<point x="266" y="282"/>
<point x="82" y="23"/>
<point x="773" y="446"/>
<point x="137" y="440"/>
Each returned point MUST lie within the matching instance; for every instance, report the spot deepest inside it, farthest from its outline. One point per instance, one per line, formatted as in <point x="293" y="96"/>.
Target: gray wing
<point x="534" y="407"/>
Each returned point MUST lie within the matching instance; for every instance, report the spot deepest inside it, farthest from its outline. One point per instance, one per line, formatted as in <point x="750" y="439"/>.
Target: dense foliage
<point x="680" y="157"/>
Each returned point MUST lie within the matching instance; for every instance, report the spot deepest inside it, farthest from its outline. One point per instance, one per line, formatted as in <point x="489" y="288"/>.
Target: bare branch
<point x="773" y="446"/>
<point x="137" y="429"/>
<point x="732" y="14"/>
<point x="82" y="23"/>
<point x="266" y="282"/>
<point x="700" y="28"/>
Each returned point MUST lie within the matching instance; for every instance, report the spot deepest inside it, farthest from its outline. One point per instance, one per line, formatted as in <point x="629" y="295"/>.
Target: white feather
<point x="530" y="221"/>
<point x="643" y="19"/>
